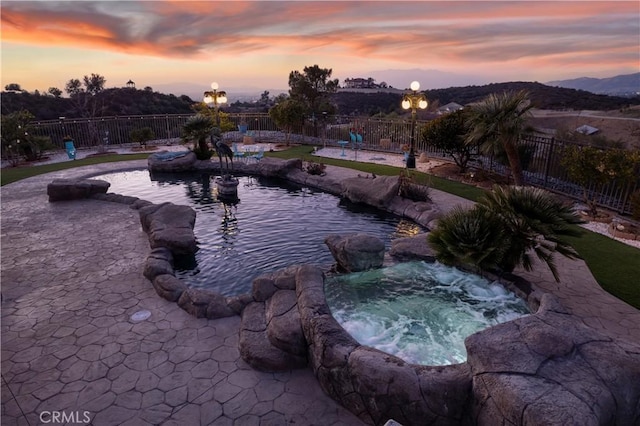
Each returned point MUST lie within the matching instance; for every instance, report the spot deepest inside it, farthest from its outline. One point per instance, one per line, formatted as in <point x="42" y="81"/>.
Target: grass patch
<point x="615" y="265"/>
<point x="13" y="174"/>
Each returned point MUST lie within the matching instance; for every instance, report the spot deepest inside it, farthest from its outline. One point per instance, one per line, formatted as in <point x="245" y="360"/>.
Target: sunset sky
<point x="256" y="44"/>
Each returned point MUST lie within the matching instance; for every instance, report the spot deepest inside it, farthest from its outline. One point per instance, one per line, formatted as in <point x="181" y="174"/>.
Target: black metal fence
<point x="541" y="156"/>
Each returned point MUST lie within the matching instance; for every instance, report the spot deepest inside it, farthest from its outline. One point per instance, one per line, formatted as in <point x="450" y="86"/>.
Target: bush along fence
<point x="541" y="157"/>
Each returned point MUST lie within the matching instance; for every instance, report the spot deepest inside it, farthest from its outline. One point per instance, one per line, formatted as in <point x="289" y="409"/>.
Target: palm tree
<point x="535" y="222"/>
<point x="497" y="122"/>
<point x="198" y="128"/>
<point x="469" y="237"/>
<point x="505" y="228"/>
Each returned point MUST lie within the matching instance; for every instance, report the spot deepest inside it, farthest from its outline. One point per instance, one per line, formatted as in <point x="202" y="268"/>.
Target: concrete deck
<point x="71" y="279"/>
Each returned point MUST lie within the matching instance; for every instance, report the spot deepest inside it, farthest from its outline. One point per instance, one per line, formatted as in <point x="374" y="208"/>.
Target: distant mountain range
<point x="620" y="85"/>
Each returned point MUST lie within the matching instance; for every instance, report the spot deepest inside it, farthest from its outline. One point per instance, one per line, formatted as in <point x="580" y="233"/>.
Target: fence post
<point x="548" y="162"/>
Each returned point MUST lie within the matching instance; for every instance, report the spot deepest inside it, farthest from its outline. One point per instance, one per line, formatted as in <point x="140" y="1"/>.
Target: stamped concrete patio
<point x="72" y="278"/>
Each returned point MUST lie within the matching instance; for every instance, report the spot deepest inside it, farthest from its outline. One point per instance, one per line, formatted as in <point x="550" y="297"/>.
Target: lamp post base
<point x="411" y="161"/>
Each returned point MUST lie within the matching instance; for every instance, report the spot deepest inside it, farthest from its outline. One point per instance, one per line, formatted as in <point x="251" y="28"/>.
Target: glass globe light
<point x="422" y="104"/>
<point x="214" y="86"/>
<point x="415" y="86"/>
<point x="406" y="104"/>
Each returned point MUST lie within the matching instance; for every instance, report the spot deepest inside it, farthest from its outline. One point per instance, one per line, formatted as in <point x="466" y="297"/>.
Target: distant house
<point x="363" y="83"/>
<point x="585" y="129"/>
<point x="450" y="107"/>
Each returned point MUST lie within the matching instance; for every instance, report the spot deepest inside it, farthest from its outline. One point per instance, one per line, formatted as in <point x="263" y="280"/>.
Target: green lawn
<point x="13" y="174"/>
<point x="616" y="266"/>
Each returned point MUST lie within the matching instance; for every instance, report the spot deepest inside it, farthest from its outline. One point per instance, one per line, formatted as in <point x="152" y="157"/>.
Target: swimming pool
<point x="276" y="224"/>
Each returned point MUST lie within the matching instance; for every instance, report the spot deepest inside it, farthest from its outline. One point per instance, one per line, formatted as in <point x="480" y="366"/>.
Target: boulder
<point x="169" y="287"/>
<point x="74" y="189"/>
<point x="276" y="167"/>
<point x="356" y="252"/>
<point x="412" y="248"/>
<point x="377" y="192"/>
<point x="171" y="226"/>
<point x="159" y="262"/>
<point x="205" y="304"/>
<point x="171" y="162"/>
<point x="255" y="347"/>
<point x="283" y="323"/>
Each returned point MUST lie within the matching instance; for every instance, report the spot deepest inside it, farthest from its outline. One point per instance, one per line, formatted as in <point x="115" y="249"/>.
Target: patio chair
<point x="356" y="140"/>
<point x="259" y="155"/>
<point x="236" y="152"/>
<point x="71" y="150"/>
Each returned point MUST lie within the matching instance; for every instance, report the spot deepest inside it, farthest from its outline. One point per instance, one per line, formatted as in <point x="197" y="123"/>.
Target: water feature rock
<point x="205" y="304"/>
<point x="552" y="366"/>
<point x="421" y="212"/>
<point x="169" y="287"/>
<point x="275" y="167"/>
<point x="262" y="288"/>
<point x="171" y="226"/>
<point x="412" y="248"/>
<point x="356" y="252"/>
<point x="256" y="348"/>
<point x="159" y="262"/>
<point x="74" y="189"/>
<point x="170" y="162"/>
<point x="377" y="192"/>
<point x="283" y="323"/>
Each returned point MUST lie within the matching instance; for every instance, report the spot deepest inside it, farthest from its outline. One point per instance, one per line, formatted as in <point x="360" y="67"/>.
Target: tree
<point x="84" y="94"/>
<point x="497" y="123"/>
<point x="312" y="88"/>
<point x="13" y="87"/>
<point x="198" y="128"/>
<point x="535" y="222"/>
<point x="18" y="139"/>
<point x="287" y="114"/>
<point x="504" y="229"/>
<point x="55" y="92"/>
<point x="447" y="133"/>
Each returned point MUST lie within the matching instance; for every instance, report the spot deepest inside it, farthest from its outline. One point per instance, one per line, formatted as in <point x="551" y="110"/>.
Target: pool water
<point x="276" y="224"/>
<point x="418" y="311"/>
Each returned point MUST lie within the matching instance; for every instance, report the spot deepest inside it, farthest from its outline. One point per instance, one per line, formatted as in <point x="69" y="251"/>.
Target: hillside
<point x="620" y="85"/>
<point x="542" y="96"/>
<point x="110" y="102"/>
<point x="127" y="101"/>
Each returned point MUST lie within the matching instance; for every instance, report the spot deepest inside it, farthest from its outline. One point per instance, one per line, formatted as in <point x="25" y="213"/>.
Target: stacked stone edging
<point x="271" y="337"/>
<point x="75" y="189"/>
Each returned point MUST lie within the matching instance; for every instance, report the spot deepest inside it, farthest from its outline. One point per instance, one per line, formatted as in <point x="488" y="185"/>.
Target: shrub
<point x="142" y="135"/>
<point x="314" y="168"/>
<point x="469" y="237"/>
<point x="412" y="190"/>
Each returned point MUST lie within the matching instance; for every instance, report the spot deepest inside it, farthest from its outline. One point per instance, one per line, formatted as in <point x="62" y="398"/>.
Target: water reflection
<point x="276" y="224"/>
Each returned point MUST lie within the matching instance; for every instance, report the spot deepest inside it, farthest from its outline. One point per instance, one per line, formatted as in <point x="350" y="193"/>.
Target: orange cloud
<point x="412" y="32"/>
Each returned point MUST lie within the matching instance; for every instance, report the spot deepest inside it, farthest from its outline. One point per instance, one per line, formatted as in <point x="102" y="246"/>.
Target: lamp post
<point x="413" y="101"/>
<point x="215" y="97"/>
